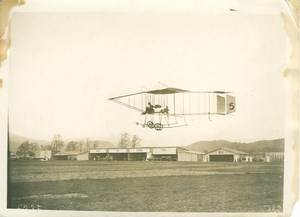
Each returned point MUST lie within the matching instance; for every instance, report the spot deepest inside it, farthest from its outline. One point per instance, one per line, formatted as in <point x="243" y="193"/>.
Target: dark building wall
<point x="165" y="157"/>
<point x="119" y="156"/>
<point x="137" y="156"/>
<point x="63" y="157"/>
<point x="221" y="158"/>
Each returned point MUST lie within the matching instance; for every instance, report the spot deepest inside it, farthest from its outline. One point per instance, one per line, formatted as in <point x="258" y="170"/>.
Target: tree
<point x="46" y="147"/>
<point x="95" y="144"/>
<point x="135" y="142"/>
<point x="87" y="144"/>
<point x="35" y="148"/>
<point x="27" y="149"/>
<point x="81" y="142"/>
<point x="126" y="142"/>
<point x="72" y="146"/>
<point x="57" y="143"/>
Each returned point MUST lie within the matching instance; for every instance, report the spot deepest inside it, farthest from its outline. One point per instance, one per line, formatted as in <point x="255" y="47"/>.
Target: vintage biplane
<point x="167" y="108"/>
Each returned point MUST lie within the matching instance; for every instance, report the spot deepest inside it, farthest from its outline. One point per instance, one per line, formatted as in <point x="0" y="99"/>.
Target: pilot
<point x="149" y="109"/>
<point x="165" y="110"/>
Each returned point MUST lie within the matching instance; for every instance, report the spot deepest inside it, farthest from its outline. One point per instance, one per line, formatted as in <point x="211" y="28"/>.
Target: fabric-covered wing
<point x="180" y="102"/>
<point x="139" y="101"/>
<point x="167" y="91"/>
<point x="134" y="101"/>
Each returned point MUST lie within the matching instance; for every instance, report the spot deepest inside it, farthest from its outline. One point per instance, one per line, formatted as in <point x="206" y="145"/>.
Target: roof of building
<point x="194" y="152"/>
<point x="137" y="148"/>
<point x="40" y="157"/>
<point x="65" y="153"/>
<point x="230" y="150"/>
<point x="83" y="152"/>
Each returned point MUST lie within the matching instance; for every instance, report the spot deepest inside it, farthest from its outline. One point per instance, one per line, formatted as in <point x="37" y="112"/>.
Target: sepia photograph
<point x="151" y="108"/>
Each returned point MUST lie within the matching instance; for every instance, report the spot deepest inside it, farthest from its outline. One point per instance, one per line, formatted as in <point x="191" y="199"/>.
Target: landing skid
<point x="151" y="125"/>
<point x="159" y="126"/>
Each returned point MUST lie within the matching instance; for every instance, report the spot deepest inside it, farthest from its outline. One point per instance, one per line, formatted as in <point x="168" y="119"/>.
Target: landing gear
<point x="153" y="122"/>
<point x="150" y="124"/>
<point x="160" y="122"/>
<point x="158" y="126"/>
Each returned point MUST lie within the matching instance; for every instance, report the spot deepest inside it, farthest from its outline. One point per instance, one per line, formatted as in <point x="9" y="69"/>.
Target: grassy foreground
<point x="147" y="186"/>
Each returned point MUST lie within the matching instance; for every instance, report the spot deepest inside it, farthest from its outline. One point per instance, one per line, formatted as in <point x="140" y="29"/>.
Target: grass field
<point x="146" y="186"/>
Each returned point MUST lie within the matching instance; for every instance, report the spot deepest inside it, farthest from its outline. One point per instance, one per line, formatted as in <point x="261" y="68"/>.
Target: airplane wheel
<point x="158" y="126"/>
<point x="150" y="124"/>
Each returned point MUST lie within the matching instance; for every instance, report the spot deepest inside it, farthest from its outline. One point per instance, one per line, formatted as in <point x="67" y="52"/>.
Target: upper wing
<point x="180" y="102"/>
<point x="135" y="101"/>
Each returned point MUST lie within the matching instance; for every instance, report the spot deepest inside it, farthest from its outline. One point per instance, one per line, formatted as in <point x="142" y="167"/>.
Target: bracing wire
<point x="198" y="102"/>
<point x="144" y="88"/>
<point x="209" y="103"/>
<point x="160" y="83"/>
<point x="190" y="103"/>
<point x="142" y="101"/>
<point x="205" y="106"/>
<point x="174" y="107"/>
<point x="183" y="103"/>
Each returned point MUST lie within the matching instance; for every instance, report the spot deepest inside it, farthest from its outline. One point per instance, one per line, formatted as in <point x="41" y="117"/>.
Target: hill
<point x="258" y="146"/>
<point x="14" y="141"/>
<point x="201" y="146"/>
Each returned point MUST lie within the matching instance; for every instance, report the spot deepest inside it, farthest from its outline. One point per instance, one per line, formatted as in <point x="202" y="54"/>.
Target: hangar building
<point x="225" y="155"/>
<point x="145" y="154"/>
<point x="190" y="156"/>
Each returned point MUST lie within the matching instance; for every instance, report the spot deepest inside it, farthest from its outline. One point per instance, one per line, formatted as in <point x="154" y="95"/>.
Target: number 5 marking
<point x="231" y="106"/>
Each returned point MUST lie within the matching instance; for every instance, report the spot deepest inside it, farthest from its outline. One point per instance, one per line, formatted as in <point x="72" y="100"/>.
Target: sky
<point x="65" y="66"/>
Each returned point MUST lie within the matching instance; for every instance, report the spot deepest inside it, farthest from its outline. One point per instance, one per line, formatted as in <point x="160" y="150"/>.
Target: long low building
<point x="163" y="154"/>
<point x="145" y="154"/>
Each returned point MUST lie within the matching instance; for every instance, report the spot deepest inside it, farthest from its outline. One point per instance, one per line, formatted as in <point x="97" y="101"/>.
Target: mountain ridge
<point x="276" y="145"/>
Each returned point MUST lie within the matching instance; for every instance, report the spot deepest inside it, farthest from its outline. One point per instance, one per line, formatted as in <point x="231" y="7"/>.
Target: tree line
<point x="31" y="149"/>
